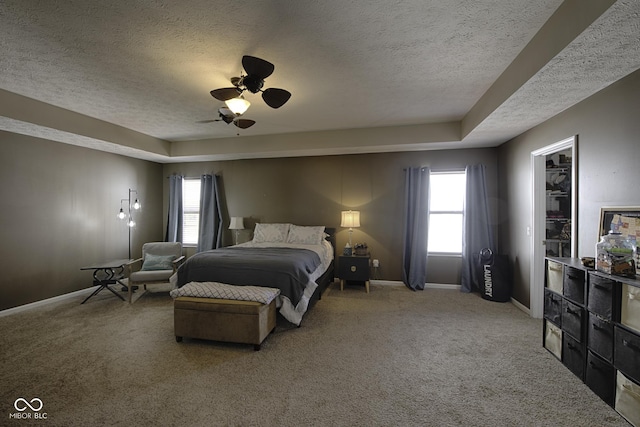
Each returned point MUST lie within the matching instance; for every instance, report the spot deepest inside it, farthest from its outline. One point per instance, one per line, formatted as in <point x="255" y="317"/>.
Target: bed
<point x="297" y="260"/>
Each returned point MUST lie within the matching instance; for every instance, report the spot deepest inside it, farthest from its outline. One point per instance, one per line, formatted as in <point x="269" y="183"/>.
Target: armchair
<point x="160" y="261"/>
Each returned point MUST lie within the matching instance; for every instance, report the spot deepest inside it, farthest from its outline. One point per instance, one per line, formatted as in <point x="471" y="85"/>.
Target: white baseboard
<point x="387" y="282"/>
<point x="40" y="303"/>
<point x="442" y="286"/>
<point x="520" y="306"/>
<point x="517" y="303"/>
<point x="75" y="294"/>
<point x="426" y="285"/>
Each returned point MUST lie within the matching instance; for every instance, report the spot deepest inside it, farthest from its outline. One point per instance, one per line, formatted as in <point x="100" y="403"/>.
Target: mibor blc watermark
<point x="28" y="409"/>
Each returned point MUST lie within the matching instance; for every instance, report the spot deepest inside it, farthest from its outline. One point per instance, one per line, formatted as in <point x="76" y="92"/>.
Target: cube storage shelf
<point x="592" y="325"/>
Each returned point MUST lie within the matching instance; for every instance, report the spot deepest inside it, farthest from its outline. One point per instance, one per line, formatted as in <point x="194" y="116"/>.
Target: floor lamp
<point x="131" y="205"/>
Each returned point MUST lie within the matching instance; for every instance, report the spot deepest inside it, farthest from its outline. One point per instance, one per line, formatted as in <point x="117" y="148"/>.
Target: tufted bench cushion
<point x="247" y="322"/>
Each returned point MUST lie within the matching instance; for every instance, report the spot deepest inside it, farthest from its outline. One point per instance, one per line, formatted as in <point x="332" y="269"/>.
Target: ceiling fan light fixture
<point x="238" y="105"/>
<point x="253" y="83"/>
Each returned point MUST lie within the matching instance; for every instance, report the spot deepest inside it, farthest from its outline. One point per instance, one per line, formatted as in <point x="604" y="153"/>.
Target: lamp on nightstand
<point x="237" y="223"/>
<point x="350" y="219"/>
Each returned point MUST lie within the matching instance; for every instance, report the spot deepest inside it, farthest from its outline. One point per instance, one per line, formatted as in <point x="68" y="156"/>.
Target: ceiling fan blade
<point x="276" y="98"/>
<point x="244" y="123"/>
<point x="225" y="93"/>
<point x="257" y="67"/>
<point x="208" y="121"/>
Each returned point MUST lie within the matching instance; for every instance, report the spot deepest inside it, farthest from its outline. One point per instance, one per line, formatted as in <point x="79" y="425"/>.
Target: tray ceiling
<point x="134" y="77"/>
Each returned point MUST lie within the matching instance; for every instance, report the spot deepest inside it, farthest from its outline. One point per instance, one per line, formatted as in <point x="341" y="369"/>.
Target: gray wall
<point x="608" y="129"/>
<point x="313" y="191"/>
<point x="59" y="206"/>
<point x="59" y="201"/>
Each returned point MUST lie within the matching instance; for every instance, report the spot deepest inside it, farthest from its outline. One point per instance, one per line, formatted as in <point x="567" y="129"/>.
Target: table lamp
<point x="350" y="219"/>
<point x="237" y="223"/>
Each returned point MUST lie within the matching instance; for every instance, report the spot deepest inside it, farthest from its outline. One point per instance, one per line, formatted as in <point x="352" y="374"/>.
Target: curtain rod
<point x="192" y="177"/>
<point x="440" y="170"/>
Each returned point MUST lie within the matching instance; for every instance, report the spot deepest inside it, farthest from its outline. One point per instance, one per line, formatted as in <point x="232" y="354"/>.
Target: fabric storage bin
<point x="601" y="296"/>
<point x="600" y="337"/>
<point x="553" y="339"/>
<point x="600" y="377"/>
<point x="572" y="319"/>
<point x="627" y="353"/>
<point x="554" y="276"/>
<point x="573" y="284"/>
<point x="630" y="307"/>
<point x="553" y="307"/>
<point x="628" y="399"/>
<point x="573" y="355"/>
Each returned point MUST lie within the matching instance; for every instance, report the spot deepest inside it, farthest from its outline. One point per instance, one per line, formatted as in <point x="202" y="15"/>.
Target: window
<point x="446" y="207"/>
<point x="191" y="211"/>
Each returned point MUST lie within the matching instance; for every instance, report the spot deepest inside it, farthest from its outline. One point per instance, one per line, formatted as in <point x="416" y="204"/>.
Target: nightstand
<point x="355" y="268"/>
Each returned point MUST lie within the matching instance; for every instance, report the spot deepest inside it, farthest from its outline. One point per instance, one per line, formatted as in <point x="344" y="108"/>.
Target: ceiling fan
<point x="228" y="116"/>
<point x="257" y="70"/>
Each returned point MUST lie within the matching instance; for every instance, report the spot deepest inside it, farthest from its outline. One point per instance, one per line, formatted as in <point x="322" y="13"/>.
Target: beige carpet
<point x="389" y="358"/>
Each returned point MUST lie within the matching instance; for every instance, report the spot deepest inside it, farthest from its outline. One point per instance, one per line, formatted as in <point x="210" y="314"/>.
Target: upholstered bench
<point x="224" y="319"/>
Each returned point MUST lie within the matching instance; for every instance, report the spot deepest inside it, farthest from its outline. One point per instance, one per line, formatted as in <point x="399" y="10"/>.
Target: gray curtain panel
<point x="210" y="231"/>
<point x="174" y="220"/>
<point x="416" y="228"/>
<point x="477" y="233"/>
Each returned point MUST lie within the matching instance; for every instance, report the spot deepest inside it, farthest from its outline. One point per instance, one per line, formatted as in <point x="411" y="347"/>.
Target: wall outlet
<point x="376" y="263"/>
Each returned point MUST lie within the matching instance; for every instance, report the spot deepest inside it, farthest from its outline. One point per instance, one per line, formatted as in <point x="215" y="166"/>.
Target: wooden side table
<point x="355" y="268"/>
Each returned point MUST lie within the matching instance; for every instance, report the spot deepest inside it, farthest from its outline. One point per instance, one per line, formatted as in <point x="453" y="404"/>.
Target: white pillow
<point x="306" y="235"/>
<point x="270" y="233"/>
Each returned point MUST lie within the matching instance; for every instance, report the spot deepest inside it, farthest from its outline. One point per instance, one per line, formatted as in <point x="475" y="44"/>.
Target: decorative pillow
<point x="270" y="233"/>
<point x="158" y="262"/>
<point x="306" y="235"/>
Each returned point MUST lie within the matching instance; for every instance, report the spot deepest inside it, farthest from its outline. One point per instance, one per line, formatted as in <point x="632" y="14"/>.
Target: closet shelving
<point x="558" y="208"/>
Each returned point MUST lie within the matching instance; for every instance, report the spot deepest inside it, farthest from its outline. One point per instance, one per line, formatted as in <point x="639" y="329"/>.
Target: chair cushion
<point x="150" y="276"/>
<point x="157" y="262"/>
<point x="162" y="248"/>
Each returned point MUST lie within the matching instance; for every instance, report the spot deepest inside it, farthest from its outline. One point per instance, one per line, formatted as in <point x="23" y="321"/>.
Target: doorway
<point x="554" y="214"/>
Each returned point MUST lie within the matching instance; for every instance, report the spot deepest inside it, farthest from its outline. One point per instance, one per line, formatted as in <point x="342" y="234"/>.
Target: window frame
<point x="190" y="210"/>
<point x="463" y="173"/>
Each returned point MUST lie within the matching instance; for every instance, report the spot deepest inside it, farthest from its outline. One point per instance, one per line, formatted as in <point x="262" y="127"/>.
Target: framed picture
<point x="622" y="219"/>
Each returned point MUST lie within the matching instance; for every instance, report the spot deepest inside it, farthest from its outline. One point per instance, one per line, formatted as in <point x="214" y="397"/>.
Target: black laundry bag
<point x="495" y="276"/>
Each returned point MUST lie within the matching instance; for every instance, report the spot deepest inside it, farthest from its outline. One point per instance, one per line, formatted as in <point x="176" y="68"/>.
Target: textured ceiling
<point x="148" y="67"/>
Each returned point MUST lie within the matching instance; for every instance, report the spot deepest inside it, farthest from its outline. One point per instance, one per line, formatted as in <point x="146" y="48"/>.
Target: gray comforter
<point x="287" y="269"/>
